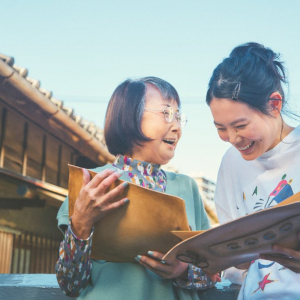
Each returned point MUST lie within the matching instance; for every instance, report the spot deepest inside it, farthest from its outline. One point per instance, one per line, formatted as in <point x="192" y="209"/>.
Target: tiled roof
<point x="90" y="127"/>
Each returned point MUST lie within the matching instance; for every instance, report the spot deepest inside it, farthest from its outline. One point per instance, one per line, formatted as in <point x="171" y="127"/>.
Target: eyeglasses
<point x="170" y="115"/>
<point x="193" y="258"/>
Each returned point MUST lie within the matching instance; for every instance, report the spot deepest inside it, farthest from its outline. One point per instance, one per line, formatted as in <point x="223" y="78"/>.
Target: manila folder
<point x="144" y="223"/>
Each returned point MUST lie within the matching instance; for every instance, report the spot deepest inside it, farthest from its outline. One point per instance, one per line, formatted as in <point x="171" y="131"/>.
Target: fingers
<point x="166" y="269"/>
<point x="114" y="192"/>
<point x="85" y="177"/>
<point x="99" y="177"/>
<point x="100" y="183"/>
<point x="154" y="265"/>
<point x="288" y="262"/>
<point x="157" y="255"/>
<point x="270" y="257"/>
<point x="115" y="205"/>
<point x="110" y="200"/>
<point x="215" y="278"/>
<point x="286" y="257"/>
<point x="287" y="251"/>
<point x="93" y="199"/>
<point x="153" y="262"/>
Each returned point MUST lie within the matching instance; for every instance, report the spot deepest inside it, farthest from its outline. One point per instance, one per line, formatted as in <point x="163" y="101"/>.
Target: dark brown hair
<point x="125" y="110"/>
<point x="255" y="70"/>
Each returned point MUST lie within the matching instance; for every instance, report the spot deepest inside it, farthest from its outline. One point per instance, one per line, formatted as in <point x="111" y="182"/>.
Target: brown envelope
<point x="243" y="239"/>
<point x="143" y="224"/>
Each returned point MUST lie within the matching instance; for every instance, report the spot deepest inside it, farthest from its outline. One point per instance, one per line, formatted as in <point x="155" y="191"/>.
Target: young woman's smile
<point x="249" y="131"/>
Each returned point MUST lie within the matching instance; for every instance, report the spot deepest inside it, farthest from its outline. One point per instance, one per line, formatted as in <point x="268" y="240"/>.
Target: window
<point x="13" y="142"/>
<point x="34" y="152"/>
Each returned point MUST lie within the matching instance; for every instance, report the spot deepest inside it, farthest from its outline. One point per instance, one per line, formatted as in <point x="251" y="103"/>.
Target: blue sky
<point x="81" y="50"/>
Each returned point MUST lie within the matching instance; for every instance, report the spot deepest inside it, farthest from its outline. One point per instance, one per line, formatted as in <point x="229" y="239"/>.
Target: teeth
<point x="246" y="147"/>
<point x="169" y="141"/>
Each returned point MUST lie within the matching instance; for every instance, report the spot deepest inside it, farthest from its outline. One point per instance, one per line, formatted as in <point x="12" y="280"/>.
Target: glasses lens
<point x="184" y="258"/>
<point x="182" y="119"/>
<point x="169" y="114"/>
<point x="193" y="258"/>
<point x="202" y="264"/>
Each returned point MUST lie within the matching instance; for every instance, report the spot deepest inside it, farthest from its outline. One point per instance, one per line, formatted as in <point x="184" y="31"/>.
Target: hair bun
<point x="257" y="52"/>
<point x="259" y="71"/>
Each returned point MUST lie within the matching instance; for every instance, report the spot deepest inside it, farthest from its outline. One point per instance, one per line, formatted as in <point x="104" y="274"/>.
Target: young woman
<point x="261" y="168"/>
<point x="143" y="127"/>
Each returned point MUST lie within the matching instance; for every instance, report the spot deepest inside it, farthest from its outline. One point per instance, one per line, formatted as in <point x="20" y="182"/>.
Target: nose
<point x="232" y="137"/>
<point x="176" y="126"/>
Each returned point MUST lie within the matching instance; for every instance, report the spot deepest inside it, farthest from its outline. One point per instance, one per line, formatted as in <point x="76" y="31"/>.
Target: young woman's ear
<point x="275" y="103"/>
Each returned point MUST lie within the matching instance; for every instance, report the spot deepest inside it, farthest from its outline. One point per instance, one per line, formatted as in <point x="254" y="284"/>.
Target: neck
<point x="285" y="130"/>
<point x="136" y="156"/>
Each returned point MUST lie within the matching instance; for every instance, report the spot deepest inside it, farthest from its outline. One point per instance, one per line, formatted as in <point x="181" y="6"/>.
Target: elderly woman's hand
<point x="166" y="269"/>
<point x="169" y="268"/>
<point x="94" y="201"/>
<point x="290" y="261"/>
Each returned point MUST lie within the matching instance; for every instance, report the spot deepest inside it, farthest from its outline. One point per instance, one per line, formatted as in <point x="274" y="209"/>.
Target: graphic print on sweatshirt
<point x="282" y="191"/>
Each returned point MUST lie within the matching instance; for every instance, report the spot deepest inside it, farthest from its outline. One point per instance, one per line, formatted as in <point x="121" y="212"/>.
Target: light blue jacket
<point x="131" y="281"/>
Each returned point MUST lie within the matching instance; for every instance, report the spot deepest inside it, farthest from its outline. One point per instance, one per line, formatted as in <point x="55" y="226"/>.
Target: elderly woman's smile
<point x="170" y="141"/>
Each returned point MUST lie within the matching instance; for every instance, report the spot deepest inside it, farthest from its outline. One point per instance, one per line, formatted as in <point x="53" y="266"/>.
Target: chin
<point x="164" y="161"/>
<point x="250" y="157"/>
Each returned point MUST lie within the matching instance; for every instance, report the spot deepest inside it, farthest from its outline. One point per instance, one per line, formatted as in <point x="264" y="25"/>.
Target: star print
<point x="263" y="283"/>
<point x="255" y="192"/>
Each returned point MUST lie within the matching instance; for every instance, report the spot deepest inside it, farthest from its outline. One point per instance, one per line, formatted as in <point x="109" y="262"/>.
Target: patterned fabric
<point x="197" y="280"/>
<point x="73" y="269"/>
<point x="74" y="266"/>
<point x="142" y="173"/>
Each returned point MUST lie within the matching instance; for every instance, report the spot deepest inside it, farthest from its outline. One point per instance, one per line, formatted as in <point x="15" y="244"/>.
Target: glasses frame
<point x="175" y="115"/>
<point x="194" y="259"/>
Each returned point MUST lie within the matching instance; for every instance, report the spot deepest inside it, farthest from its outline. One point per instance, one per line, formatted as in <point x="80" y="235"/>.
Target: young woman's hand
<point x="94" y="202"/>
<point x="291" y="261"/>
<point x="166" y="269"/>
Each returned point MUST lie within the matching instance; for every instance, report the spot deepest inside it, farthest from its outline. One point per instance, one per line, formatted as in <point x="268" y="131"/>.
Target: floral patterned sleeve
<point x="73" y="267"/>
<point x="197" y="280"/>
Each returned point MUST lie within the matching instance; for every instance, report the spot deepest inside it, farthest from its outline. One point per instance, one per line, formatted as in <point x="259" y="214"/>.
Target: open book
<point x="243" y="239"/>
<point x="158" y="222"/>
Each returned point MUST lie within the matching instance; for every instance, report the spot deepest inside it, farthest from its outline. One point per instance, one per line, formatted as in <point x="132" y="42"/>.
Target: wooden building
<point x="39" y="137"/>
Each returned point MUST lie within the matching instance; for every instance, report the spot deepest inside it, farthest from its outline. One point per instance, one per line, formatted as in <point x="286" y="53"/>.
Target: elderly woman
<point x="142" y="128"/>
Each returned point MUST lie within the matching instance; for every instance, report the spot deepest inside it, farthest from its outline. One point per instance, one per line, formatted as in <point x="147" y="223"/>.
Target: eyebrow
<point x="232" y="123"/>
